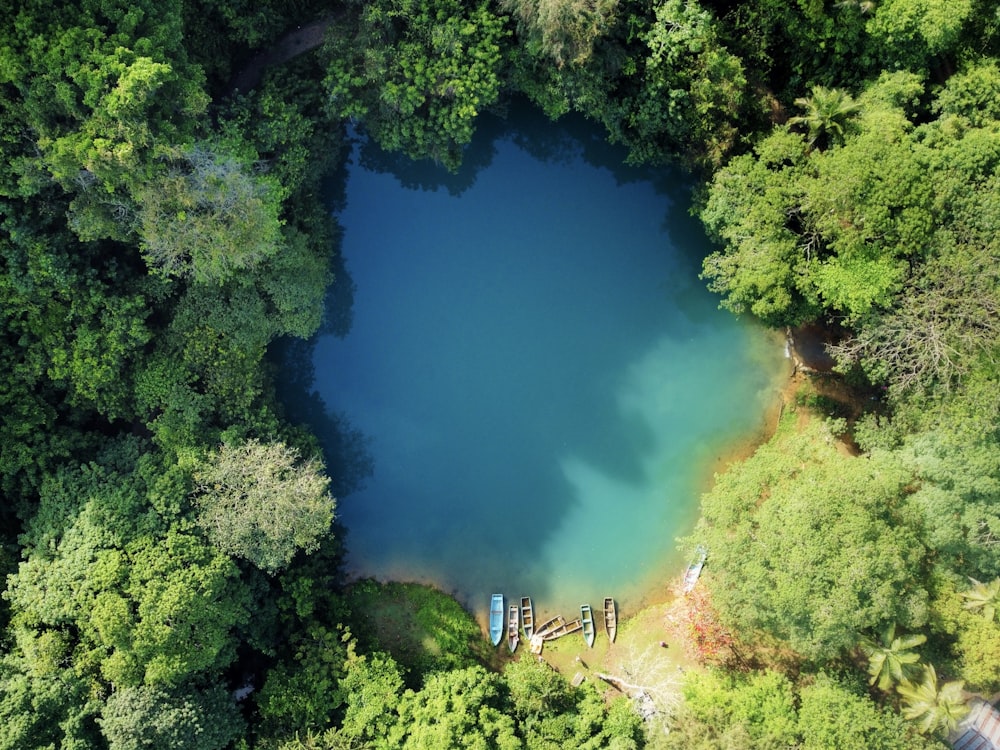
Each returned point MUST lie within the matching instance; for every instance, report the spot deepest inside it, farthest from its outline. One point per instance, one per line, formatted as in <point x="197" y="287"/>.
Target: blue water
<point x="540" y="379"/>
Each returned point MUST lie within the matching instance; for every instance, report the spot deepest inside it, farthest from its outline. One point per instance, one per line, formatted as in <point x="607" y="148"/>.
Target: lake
<point x="534" y="373"/>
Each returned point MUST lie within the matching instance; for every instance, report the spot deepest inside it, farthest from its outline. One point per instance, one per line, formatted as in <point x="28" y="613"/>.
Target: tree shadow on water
<point x="346" y="449"/>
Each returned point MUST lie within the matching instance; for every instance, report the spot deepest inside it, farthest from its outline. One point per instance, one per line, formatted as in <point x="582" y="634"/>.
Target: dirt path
<point x="292" y="44"/>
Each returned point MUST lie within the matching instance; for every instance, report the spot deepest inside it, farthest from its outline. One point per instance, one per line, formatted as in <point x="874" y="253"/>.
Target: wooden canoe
<point x="512" y="629"/>
<point x="565" y="628"/>
<point x="587" y="620"/>
<point x="549" y="625"/>
<point x="527" y="617"/>
<point x="496" y="619"/>
<point x="610" y="618"/>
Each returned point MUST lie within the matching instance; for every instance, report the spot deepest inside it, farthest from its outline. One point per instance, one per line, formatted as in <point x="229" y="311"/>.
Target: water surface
<point x="540" y="375"/>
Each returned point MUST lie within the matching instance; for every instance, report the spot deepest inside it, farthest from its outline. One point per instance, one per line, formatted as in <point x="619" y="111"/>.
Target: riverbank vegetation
<point x="171" y="570"/>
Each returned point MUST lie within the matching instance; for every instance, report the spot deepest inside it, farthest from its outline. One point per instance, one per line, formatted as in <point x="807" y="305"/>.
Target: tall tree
<point x="416" y="72"/>
<point x="259" y="502"/>
<point x="891" y="658"/>
<point x="813" y="547"/>
<point x="983" y="597"/>
<point x="827" y="112"/>
<point x="933" y="706"/>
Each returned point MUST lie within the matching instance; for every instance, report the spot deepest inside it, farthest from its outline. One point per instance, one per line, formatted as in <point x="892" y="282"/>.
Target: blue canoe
<point x="496" y="619"/>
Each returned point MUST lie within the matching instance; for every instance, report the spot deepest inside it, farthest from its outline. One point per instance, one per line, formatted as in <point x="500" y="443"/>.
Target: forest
<point x="167" y="530"/>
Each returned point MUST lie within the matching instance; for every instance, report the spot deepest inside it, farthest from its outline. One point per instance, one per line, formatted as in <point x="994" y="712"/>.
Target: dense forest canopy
<point x="167" y="531"/>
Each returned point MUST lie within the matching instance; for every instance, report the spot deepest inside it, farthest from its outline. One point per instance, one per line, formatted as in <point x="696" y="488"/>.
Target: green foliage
<point x="207" y="217"/>
<point x="891" y="658"/>
<point x="142" y="717"/>
<point x="721" y="711"/>
<point x="423" y="629"/>
<point x="832" y="716"/>
<point x="763" y="267"/>
<point x="765" y="710"/>
<point x="837" y="229"/>
<point x="139" y="602"/>
<point x="459" y="709"/>
<point x="564" y="30"/>
<point x="372" y="687"/>
<point x="911" y="33"/>
<point x="813" y="547"/>
<point x="417" y="73"/>
<point x="983" y="597"/>
<point x="973" y="640"/>
<point x="932" y="706"/>
<point x="691" y="93"/>
<point x="826" y="113"/>
<point x="259" y="502"/>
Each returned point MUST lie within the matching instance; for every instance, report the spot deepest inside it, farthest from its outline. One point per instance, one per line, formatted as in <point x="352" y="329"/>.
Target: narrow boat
<point x="527" y="617"/>
<point x="587" y="620"/>
<point x="496" y="619"/>
<point x="610" y="618"/>
<point x="564" y="628"/>
<point x="549" y="625"/>
<point x="694" y="568"/>
<point x="512" y="636"/>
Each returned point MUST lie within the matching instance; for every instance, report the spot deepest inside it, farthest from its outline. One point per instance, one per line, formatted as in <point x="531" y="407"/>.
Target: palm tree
<point x="933" y="707"/>
<point x="826" y="112"/>
<point x="891" y="658"/>
<point x="984" y="596"/>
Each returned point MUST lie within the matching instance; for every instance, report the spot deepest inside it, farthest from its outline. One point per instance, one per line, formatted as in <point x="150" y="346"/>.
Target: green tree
<point x="827" y="112"/>
<point x="983" y="597"/>
<point x="891" y="658"/>
<point x="260" y="502"/>
<point x="460" y="709"/>
<point x="417" y="73"/>
<point x="371" y="687"/>
<point x="207" y="216"/>
<point x="813" y="547"/>
<point x="838" y="230"/>
<point x="564" y="30"/>
<point x="692" y="91"/>
<point x="730" y="711"/>
<point x="189" y="719"/>
<point x="138" y="599"/>
<point x="916" y="34"/>
<point x="933" y="707"/>
<point x="831" y="715"/>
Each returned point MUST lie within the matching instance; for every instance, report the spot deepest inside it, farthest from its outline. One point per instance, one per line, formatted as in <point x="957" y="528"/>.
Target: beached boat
<point x="587" y="620"/>
<point x="527" y="617"/>
<point x="512" y="628"/>
<point x="610" y="618"/>
<point x="694" y="568"/>
<point x="536" y="644"/>
<point x="564" y="628"/>
<point x="496" y="619"/>
<point x="549" y="625"/>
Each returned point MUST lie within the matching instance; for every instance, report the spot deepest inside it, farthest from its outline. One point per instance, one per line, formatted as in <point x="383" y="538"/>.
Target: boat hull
<point x="587" y="621"/>
<point x="610" y="618"/>
<point x="512" y="628"/>
<point x="496" y="619"/>
<point x="527" y="617"/>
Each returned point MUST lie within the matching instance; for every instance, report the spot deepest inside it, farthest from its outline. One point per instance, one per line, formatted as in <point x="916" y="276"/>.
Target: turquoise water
<point x="539" y="377"/>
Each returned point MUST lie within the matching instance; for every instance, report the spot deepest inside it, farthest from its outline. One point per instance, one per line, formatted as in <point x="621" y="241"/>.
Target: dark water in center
<point x="540" y="375"/>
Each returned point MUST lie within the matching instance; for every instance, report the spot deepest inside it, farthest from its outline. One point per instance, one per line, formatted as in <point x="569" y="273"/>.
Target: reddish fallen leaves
<point x="692" y="620"/>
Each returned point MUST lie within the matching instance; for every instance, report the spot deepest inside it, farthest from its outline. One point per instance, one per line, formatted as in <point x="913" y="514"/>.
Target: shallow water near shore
<point x="541" y="379"/>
